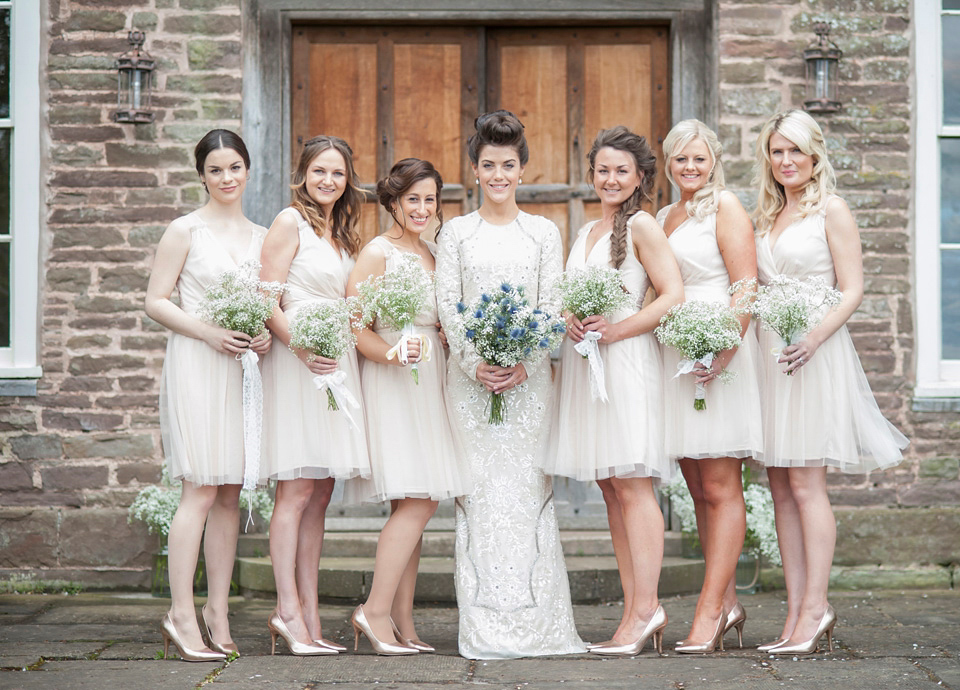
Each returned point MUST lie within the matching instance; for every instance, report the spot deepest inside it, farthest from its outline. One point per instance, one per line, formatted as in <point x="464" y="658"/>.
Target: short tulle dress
<point x="412" y="451"/>
<point x="302" y="438"/>
<point x="824" y="415"/>
<point x="731" y="426"/>
<point x="201" y="390"/>
<point x="622" y="437"/>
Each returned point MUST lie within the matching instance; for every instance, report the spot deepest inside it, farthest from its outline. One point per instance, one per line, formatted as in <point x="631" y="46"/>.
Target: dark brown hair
<point x="499" y="128"/>
<point x="403" y="175"/>
<point x="219" y="139"/>
<point x="346" y="210"/>
<point x="622" y="139"/>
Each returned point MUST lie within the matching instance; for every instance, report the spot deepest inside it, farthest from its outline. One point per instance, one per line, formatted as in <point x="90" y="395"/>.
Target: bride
<point x="512" y="588"/>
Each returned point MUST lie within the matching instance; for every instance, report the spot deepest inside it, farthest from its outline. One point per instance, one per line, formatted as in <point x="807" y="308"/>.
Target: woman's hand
<point x="413" y="351"/>
<point x="227" y="342"/>
<point x="442" y="335"/>
<point x="500" y="379"/>
<point x="575" y="327"/>
<point x="261" y="344"/>
<point x="609" y="333"/>
<point x="795" y="356"/>
<point x="319" y="366"/>
<point x="707" y="374"/>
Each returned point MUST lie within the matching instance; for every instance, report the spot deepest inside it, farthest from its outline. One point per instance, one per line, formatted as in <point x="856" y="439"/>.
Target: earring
<point x="204" y="183"/>
<point x="477" y="180"/>
<point x="520" y="181"/>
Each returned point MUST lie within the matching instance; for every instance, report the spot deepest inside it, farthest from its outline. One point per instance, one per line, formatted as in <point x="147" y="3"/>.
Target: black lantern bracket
<point x="823" y="60"/>
<point x="134" y="82"/>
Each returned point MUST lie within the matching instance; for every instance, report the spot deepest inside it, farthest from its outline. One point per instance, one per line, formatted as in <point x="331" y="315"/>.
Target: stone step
<point x="437" y="542"/>
<point x="592" y="578"/>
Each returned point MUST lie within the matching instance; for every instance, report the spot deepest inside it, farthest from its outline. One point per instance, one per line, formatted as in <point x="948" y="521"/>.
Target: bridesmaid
<point x="824" y="415"/>
<point x="412" y="450"/>
<point x="712" y="238"/>
<point x="619" y="444"/>
<point x="306" y="445"/>
<point x="201" y="401"/>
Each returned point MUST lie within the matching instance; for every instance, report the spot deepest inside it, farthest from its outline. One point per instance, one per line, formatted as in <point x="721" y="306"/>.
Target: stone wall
<point x="73" y="457"/>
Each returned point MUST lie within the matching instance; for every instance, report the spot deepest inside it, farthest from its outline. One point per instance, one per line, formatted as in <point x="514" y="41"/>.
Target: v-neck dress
<point x="825" y="414"/>
<point x="622" y="437"/>
<point x="201" y="390"/>
<point x="302" y="438"/>
<point x="731" y="425"/>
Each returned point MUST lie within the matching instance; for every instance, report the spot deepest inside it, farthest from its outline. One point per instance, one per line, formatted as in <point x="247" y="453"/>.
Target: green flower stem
<point x="331" y="401"/>
<point x="496" y="408"/>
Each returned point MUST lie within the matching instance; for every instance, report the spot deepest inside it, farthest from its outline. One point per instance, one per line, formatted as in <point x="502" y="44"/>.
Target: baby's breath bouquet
<point x="587" y="292"/>
<point x="395" y="299"/>
<point x="240" y="301"/>
<point x="699" y="330"/>
<point x="791" y="308"/>
<point x="505" y="329"/>
<point x="324" y="329"/>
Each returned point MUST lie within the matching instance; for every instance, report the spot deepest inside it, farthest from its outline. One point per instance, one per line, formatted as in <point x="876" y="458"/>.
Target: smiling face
<point x="690" y="167"/>
<point x="791" y="167"/>
<point x="416" y="208"/>
<point x="326" y="178"/>
<point x="225" y="175"/>
<point x="498" y="169"/>
<point x="615" y="176"/>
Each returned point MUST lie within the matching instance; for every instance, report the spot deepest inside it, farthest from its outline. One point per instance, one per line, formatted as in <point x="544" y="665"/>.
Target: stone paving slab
<point x="352" y="668"/>
<point x="97" y="675"/>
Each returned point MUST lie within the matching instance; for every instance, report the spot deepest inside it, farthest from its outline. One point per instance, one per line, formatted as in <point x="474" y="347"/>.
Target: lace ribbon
<point x="686" y="366"/>
<point x="400" y="350"/>
<point x="252" y="426"/>
<point x="588" y="348"/>
<point x="334" y="383"/>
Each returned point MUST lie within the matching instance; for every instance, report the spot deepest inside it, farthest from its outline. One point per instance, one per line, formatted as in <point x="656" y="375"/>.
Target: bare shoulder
<point x="729" y="201"/>
<point x="837" y="209"/>
<point x="643" y="222"/>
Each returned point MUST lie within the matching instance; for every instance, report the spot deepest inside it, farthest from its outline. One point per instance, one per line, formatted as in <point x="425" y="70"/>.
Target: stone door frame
<point x="267" y="41"/>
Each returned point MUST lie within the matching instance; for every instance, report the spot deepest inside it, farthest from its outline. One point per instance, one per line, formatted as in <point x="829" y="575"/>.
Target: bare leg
<point x="621" y="549"/>
<point x="809" y="488"/>
<point x="398" y="541"/>
<point x="309" y="548"/>
<point x="402" y="610"/>
<point x="790" y="540"/>
<point x="292" y="499"/>
<point x="643" y="529"/>
<point x="726" y="526"/>
<point x="219" y="551"/>
<point x="183" y="546"/>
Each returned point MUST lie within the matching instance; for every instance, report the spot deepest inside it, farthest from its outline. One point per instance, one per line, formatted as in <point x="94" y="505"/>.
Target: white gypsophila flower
<point x="240" y="301"/>
<point x="324" y="328"/>
<point x="697" y="328"/>
<point x="791" y="308"/>
<point x="397" y="297"/>
<point x="593" y="290"/>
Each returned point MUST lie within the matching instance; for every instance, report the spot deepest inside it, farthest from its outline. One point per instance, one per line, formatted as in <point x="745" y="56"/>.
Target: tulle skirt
<point x="201" y="412"/>
<point x="412" y="451"/>
<point x="825" y="414"/>
<point x="622" y="437"/>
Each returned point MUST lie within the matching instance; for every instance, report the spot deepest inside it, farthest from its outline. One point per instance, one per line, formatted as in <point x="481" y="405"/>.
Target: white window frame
<point x="21" y="359"/>
<point x="936" y="377"/>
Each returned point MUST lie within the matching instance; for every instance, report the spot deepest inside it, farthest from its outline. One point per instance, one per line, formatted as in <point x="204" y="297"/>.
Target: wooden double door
<point x="399" y="91"/>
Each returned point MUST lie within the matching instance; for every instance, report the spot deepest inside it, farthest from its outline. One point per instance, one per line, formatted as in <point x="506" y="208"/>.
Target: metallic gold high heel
<point x="360" y="625"/>
<point x="419" y="645"/>
<point x="595" y="645"/>
<point x="278" y="628"/>
<point x="770" y="646"/>
<point x="654" y="629"/>
<point x="329" y="644"/>
<point x="736" y="617"/>
<point x="227" y="649"/>
<point x="710" y="645"/>
<point x="170" y="634"/>
<point x="827" y="623"/>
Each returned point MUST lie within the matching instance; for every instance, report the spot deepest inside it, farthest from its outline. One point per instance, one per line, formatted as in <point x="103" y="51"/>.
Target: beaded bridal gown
<point x="511" y="580"/>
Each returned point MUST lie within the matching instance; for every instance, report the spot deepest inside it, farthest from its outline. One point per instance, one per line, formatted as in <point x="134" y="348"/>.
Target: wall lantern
<point x="134" y="82"/>
<point x="822" y="60"/>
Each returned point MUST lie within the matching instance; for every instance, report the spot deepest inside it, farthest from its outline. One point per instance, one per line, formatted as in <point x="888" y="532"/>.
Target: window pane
<point x="950" y="304"/>
<point x="5" y="62"/>
<point x="5" y="294"/>
<point x="951" y="4"/>
<point x="5" y="180"/>
<point x="950" y="190"/>
<point x="951" y="71"/>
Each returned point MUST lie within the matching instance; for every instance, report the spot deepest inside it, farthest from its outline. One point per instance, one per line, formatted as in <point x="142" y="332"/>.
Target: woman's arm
<point x="449" y="294"/>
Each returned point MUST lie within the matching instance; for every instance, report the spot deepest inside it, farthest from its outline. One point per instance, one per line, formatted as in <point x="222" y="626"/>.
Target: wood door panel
<point x="617" y="88"/>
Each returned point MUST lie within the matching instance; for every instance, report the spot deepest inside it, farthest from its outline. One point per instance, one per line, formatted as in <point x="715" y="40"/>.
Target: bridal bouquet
<point x="395" y="299"/>
<point x="324" y="329"/>
<point x="586" y="292"/>
<point x="505" y="330"/>
<point x="791" y="308"/>
<point x="240" y="301"/>
<point x="699" y="330"/>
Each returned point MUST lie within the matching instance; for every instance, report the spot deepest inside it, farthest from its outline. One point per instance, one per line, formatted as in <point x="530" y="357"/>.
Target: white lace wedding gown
<point x="512" y="588"/>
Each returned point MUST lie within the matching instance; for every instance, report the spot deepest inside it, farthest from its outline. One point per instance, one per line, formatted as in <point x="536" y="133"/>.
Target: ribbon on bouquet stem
<point x="687" y="366"/>
<point x="588" y="348"/>
<point x="341" y="396"/>
<point x="401" y="350"/>
<point x="252" y="425"/>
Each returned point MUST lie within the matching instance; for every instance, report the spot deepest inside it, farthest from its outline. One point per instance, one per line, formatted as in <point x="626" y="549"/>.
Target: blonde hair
<point x="706" y="200"/>
<point x="802" y="130"/>
<point x="346" y="210"/>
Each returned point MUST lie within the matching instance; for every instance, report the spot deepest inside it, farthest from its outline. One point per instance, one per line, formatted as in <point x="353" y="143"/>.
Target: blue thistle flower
<point x="461" y="307"/>
<point x="558" y="327"/>
<point x="505" y="303"/>
<point x="478" y="314"/>
<point x="533" y="325"/>
<point x="516" y="333"/>
<point x="545" y="343"/>
<point x="505" y="287"/>
<point x="471" y="334"/>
